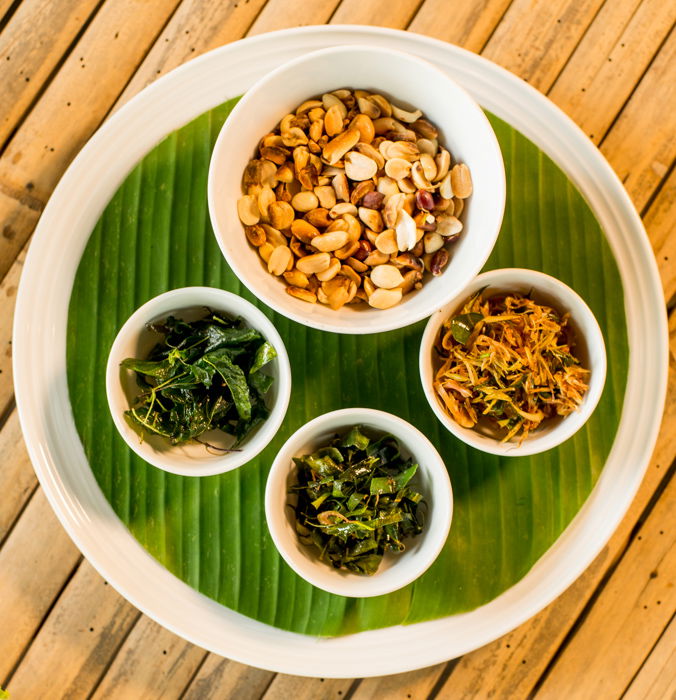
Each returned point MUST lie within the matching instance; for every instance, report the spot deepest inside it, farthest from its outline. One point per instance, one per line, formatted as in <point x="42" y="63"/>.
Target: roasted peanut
<point x="311" y="264"/>
<point x="328" y="242"/>
<point x="364" y="183"/>
<point x="280" y="259"/>
<point x="255" y="234"/>
<point x="461" y="181"/>
<point x="281" y="215"/>
<point x="303" y="294"/>
<point x="303" y="230"/>
<point x="385" y="298"/>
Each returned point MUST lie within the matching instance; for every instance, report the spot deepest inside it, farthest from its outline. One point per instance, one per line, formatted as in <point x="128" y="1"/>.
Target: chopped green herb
<point x="202" y="375"/>
<point x="355" y="501"/>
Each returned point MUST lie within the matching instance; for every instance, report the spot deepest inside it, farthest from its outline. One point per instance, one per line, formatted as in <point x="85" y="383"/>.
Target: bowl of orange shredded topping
<point x="515" y="364"/>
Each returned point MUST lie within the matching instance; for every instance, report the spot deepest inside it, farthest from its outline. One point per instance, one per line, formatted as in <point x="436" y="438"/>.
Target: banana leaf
<point x="155" y="235"/>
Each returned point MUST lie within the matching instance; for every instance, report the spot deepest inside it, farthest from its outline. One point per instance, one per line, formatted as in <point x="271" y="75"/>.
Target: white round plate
<point x="56" y="451"/>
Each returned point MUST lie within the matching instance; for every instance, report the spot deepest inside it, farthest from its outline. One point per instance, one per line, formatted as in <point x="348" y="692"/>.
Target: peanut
<point x="363" y="182"/>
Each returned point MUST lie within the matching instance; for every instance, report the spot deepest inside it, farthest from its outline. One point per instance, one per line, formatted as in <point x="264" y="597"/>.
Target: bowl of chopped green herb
<point x="358" y="502"/>
<point x="198" y="381"/>
<point x="515" y="364"/>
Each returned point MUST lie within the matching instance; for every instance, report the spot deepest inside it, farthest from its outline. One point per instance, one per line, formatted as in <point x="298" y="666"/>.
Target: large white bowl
<point x="590" y="349"/>
<point x="135" y="340"/>
<point x="59" y="459"/>
<point x="410" y="82"/>
<point x="396" y="570"/>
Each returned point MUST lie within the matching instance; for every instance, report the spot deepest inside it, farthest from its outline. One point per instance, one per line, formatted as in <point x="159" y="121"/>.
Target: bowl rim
<point x="375" y="323"/>
<point x="437" y="527"/>
<point x="179" y="299"/>
<point x="533" y="444"/>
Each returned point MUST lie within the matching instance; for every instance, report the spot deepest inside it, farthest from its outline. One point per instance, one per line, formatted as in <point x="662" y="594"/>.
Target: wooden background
<point x="65" y="65"/>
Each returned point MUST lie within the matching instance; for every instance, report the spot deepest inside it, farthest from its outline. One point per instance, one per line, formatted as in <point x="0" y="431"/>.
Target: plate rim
<point x="270" y="647"/>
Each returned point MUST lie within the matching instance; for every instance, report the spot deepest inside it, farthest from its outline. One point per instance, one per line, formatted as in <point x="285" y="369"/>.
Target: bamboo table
<point x="65" y="65"/>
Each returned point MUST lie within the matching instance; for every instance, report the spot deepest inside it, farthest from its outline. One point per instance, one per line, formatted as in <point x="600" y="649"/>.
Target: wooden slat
<point x="196" y="27"/>
<point x="657" y="678"/>
<point x="152" y="663"/>
<point x="641" y="146"/>
<point x="17" y="478"/>
<point x="515" y="662"/>
<point x="660" y="223"/>
<point x="281" y="14"/>
<point x="221" y="678"/>
<point x="626" y="621"/>
<point x="610" y="60"/>
<point x="8" y="290"/>
<point x="468" y="23"/>
<point x="299" y="688"/>
<point x="215" y="672"/>
<point x="414" y="685"/>
<point x="90" y="621"/>
<point x="35" y="562"/>
<point x="5" y="6"/>
<point x="536" y="37"/>
<point x="384" y="13"/>
<point x="18" y="216"/>
<point x="31" y="46"/>
<point x="73" y="106"/>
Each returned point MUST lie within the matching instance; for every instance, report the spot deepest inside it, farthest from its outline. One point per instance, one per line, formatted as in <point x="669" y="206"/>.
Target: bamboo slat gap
<point x="495" y="27"/>
<point x="357" y="681"/>
<point x="6" y="681"/>
<point x="335" y="9"/>
<point x="113" y="656"/>
<point x="254" y="19"/>
<point x="599" y="9"/>
<point x="652" y="649"/>
<point x="656" y="192"/>
<point x="7" y="410"/>
<point x="414" y="14"/>
<point x="20" y="512"/>
<point x="158" y="34"/>
<point x="6" y="14"/>
<point x="636" y="86"/>
<point x="443" y="678"/>
<point x="558" y="653"/>
<point x="52" y="74"/>
<point x="194" y="675"/>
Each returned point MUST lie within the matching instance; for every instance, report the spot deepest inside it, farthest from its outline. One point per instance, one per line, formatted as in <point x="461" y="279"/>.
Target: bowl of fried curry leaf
<point x="198" y="381"/>
<point x="358" y="502"/>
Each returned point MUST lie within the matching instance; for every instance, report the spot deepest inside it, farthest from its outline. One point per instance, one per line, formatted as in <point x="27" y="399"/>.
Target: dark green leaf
<point x="234" y="379"/>
<point x="265" y="353"/>
<point x="356" y="438"/>
<point x="355" y="502"/>
<point x="463" y="325"/>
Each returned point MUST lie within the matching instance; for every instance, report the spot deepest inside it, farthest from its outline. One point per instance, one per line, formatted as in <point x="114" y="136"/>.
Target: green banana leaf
<point x="155" y="235"/>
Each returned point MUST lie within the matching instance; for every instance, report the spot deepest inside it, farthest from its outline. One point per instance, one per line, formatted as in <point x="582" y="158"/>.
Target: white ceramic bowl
<point x="590" y="349"/>
<point x="410" y="82"/>
<point x="396" y="570"/>
<point x="135" y="340"/>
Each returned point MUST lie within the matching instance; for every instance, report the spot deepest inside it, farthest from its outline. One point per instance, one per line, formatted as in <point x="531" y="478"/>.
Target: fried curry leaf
<point x="234" y="379"/>
<point x="265" y="353"/>
<point x="198" y="378"/>
<point x="463" y="325"/>
<point x="354" y="501"/>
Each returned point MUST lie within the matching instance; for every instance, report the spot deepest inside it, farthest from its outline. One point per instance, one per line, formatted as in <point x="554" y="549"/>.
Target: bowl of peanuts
<point x="356" y="189"/>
